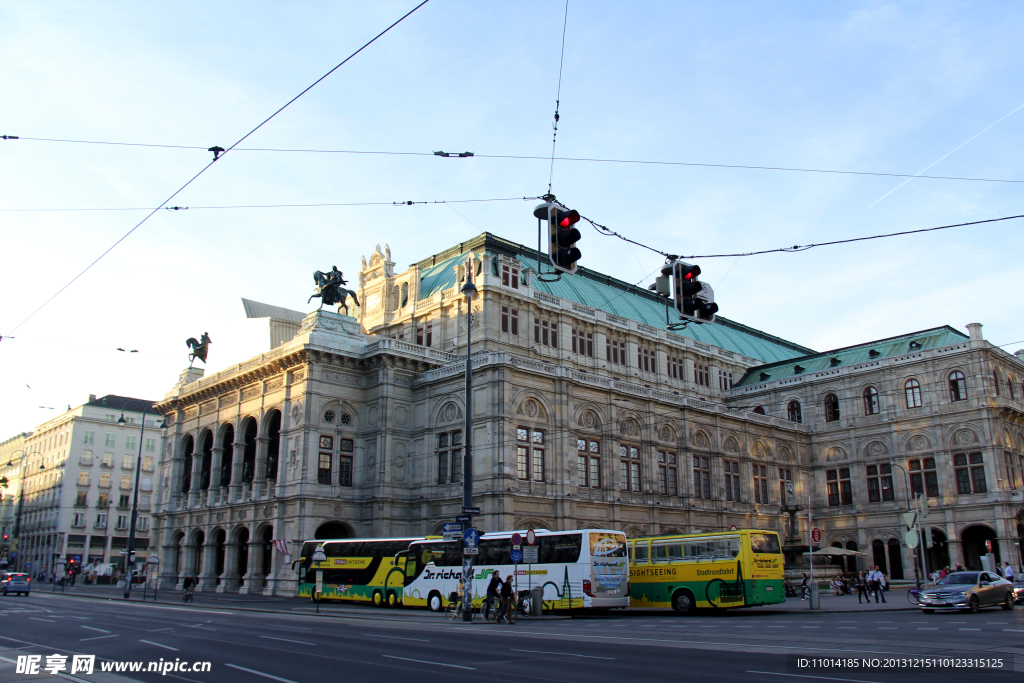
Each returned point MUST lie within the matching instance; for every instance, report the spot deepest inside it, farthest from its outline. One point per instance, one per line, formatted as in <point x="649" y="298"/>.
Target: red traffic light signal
<point x="562" y="249"/>
<point x="694" y="300"/>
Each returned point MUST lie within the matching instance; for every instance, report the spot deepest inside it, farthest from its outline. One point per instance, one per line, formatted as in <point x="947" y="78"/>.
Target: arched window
<point x="1009" y="387"/>
<point x="957" y="386"/>
<point x="995" y="377"/>
<point x="405" y="293"/>
<point x="759" y="410"/>
<point x="831" y="408"/>
<point x="913" y="389"/>
<point x="793" y="412"/>
<point x="870" y="401"/>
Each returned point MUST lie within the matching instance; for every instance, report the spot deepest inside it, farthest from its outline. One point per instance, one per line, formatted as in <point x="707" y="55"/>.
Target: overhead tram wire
<point x="217" y="156"/>
<point x="284" y="206"/>
<point x="558" y="97"/>
<point x="598" y="160"/>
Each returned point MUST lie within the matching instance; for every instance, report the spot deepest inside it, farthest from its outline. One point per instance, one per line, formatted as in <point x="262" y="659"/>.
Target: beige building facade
<point x="587" y="412"/>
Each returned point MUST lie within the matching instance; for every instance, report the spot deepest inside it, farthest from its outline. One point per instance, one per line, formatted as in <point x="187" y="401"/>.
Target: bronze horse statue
<point x="329" y="289"/>
<point x="199" y="348"/>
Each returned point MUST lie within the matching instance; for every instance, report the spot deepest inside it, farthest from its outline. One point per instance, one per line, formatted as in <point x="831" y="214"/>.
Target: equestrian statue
<point x="329" y="289"/>
<point x="199" y="348"/>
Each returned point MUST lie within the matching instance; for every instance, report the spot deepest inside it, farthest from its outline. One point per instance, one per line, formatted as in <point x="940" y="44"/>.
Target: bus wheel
<point x="434" y="602"/>
<point x="392" y="599"/>
<point x="683" y="602"/>
<point x="378" y="599"/>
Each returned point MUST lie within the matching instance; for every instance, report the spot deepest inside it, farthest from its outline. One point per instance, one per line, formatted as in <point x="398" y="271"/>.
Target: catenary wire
<point x="213" y="161"/>
<point x="281" y="206"/>
<point x="558" y="96"/>
<point x="749" y="167"/>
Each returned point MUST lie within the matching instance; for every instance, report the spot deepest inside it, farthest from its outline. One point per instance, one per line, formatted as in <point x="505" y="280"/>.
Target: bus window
<point x="556" y="549"/>
<point x="667" y="551"/>
<point x="765" y="543"/>
<point x="640" y="553"/>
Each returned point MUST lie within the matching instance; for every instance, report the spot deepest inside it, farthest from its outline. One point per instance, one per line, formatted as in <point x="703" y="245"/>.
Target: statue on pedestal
<point x="329" y="289"/>
<point x="199" y="348"/>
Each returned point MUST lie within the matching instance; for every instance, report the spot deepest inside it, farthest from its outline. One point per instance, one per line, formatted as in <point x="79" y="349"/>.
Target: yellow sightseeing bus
<point x="721" y="570"/>
<point x="356" y="569"/>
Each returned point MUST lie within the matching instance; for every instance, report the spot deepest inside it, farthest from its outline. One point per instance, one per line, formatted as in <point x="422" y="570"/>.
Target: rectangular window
<point x="323" y="470"/>
<point x="109" y="441"/>
<point x="122" y="522"/>
<point x="105" y="479"/>
<point x="1013" y="477"/>
<point x="923" y="479"/>
<point x="615" y="351"/>
<point x="510" y="320"/>
<point x="675" y="368"/>
<point x="82" y="500"/>
<point x="147" y="462"/>
<point x="731" y="470"/>
<point x="126" y="481"/>
<point x="786" y="485"/>
<point x="425" y="334"/>
<point x="128" y="462"/>
<point x="129" y="442"/>
<point x="85" y="458"/>
<point x="90" y="437"/>
<point x="124" y="501"/>
<point x="348" y="446"/>
<point x="449" y="457"/>
<point x="702" y="374"/>
<point x="545" y="332"/>
<point x="724" y="380"/>
<point x="142" y="524"/>
<point x="83" y="478"/>
<point x="530" y="453"/>
<point x="108" y="460"/>
<point x="588" y="462"/>
<point x="840" y="492"/>
<point x="101" y="520"/>
<point x="583" y="342"/>
<point x="646" y="360"/>
<point x="761" y="484"/>
<point x="629" y="468"/>
<point x="345" y="470"/>
<point x="79" y="519"/>
<point x="510" y="276"/>
<point x="701" y="477"/>
<point x="667" y="473"/>
<point x="103" y="500"/>
<point x="150" y="444"/>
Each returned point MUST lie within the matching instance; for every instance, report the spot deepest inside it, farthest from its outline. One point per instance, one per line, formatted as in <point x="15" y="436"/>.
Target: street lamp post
<point x="920" y="540"/>
<point x="135" y="499"/>
<point x="16" y="541"/>
<point x="469" y="291"/>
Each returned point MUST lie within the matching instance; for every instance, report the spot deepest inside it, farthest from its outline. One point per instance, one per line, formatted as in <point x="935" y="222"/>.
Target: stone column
<point x="229" y="579"/>
<point x="236" y="469"/>
<point x="197" y="478"/>
<point x="168" y="557"/>
<point x="208" y="575"/>
<point x="259" y="479"/>
<point x="254" y="575"/>
<point x="215" y="464"/>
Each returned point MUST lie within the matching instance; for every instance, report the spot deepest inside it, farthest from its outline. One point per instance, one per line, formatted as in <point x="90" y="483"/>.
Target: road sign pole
<point x="468" y="290"/>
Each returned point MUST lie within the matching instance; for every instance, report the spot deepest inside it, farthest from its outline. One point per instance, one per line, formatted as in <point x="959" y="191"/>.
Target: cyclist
<point x="188" y="585"/>
<point x="508" y="604"/>
<point x="492" y="592"/>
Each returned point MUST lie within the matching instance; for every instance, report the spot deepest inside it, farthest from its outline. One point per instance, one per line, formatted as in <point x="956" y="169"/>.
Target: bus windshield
<point x="765" y="543"/>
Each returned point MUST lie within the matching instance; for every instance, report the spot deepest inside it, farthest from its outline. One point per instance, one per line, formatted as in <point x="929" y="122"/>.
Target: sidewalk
<point x="895" y="599"/>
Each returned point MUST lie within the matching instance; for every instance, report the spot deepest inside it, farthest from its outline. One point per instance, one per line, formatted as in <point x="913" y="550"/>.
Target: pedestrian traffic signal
<point x="694" y="300"/>
<point x="563" y="251"/>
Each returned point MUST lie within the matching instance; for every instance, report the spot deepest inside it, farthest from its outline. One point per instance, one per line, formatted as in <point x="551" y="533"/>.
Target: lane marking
<point x="82" y="618"/>
<point x="260" y="673"/>
<point x="823" y="678"/>
<point x="1015" y="630"/>
<point x="564" y="654"/>
<point x="418" y="640"/>
<point x="849" y="627"/>
<point x="968" y="629"/>
<point x="91" y="628"/>
<point x="49" y="621"/>
<point x="286" y="640"/>
<point x="423" y="661"/>
<point x="925" y="628"/>
<point x="166" y="647"/>
<point x="885" y="628"/>
<point x="82" y="640"/>
<point x="169" y="628"/>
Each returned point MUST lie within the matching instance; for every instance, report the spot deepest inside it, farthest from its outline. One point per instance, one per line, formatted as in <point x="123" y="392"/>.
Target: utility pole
<point x="469" y="291"/>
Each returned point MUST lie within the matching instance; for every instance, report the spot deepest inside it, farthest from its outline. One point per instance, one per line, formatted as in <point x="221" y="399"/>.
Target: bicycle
<point x="491" y="607"/>
<point x="454" y="608"/>
<point x="187" y="596"/>
<point x="914" y="596"/>
<point x="524" y="604"/>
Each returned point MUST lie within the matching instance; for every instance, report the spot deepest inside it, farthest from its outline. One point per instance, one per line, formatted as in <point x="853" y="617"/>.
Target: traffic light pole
<point x="468" y="290"/>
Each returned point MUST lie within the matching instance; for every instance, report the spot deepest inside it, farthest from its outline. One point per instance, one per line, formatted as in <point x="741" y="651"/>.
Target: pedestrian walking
<point x="804" y="588"/>
<point x="862" y="588"/>
<point x="875" y="584"/>
<point x="1008" y="572"/>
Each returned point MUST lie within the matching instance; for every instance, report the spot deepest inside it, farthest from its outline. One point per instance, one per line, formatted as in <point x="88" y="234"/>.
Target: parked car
<point x="968" y="591"/>
<point x="15" y="582"/>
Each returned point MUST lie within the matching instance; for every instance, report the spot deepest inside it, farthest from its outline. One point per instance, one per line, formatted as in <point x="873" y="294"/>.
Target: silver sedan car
<point x="968" y="591"/>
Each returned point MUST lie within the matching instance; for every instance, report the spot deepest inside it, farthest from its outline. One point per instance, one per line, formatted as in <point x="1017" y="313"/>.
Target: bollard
<point x="537" y="597"/>
<point x="815" y="601"/>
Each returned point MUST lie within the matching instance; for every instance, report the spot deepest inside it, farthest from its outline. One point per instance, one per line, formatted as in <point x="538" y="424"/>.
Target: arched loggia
<point x="187" y="447"/>
<point x="273" y="443"/>
<point x="227" y="441"/>
<point x="206" y="460"/>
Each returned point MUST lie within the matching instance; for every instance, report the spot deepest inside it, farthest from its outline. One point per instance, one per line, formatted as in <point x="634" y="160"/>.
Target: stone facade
<point x="586" y="413"/>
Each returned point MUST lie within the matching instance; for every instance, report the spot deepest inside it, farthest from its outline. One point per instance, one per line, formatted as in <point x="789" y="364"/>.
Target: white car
<point x="15" y="582"/>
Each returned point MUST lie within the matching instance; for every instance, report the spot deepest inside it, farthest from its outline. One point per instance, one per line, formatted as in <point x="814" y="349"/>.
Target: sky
<point x="852" y="86"/>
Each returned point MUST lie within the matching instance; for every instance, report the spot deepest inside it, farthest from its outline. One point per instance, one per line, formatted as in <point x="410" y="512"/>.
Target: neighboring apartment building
<point x="78" y="482"/>
<point x="11" y="451"/>
<point x="587" y="412"/>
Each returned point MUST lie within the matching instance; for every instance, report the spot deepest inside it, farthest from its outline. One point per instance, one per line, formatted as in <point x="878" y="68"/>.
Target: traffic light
<point x="562" y="235"/>
<point x="694" y="300"/>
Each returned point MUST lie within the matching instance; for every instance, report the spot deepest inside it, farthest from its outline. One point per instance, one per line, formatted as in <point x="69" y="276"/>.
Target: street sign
<point x="517" y="556"/>
<point x="816" y="535"/>
<point x="732" y="527"/>
<point x="471" y="539"/>
<point x="471" y="551"/>
<point x="909" y="518"/>
<point x="517" y="547"/>
<point x="464" y="519"/>
<point x="318" y="555"/>
<point x="911" y="539"/>
<point x="471" y="511"/>
<point x="530" y="554"/>
<point x="988" y="546"/>
<point x="531" y="537"/>
<point x="452" y="531"/>
<point x="517" y="539"/>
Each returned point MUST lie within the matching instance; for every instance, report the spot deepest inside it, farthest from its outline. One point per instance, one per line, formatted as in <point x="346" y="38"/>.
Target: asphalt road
<point x="377" y="645"/>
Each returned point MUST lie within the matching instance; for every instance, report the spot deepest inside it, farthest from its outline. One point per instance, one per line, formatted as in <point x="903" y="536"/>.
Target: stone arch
<point x="337" y="413"/>
<point x="833" y="453"/>
<point x="240" y="538"/>
<point x="671" y="531"/>
<point x="187" y="448"/>
<point x="634" y="531"/>
<point x="220" y="537"/>
<point x="630" y="425"/>
<point x="206" y="459"/>
<point x="448" y="411"/>
<point x="249" y="433"/>
<point x="761" y="450"/>
<point x="589" y="416"/>
<point x="731" y="445"/>
<point x="786" y="453"/>
<point x="195" y="545"/>
<point x="1006" y="441"/>
<point x="174" y="560"/>
<point x="876" y="448"/>
<point x="666" y="433"/>
<point x="226" y="441"/>
<point x="532" y="523"/>
<point x="973" y="537"/>
<point x="272" y="432"/>
<point x="265" y="554"/>
<point x="533" y="406"/>
<point x="961" y="437"/>
<point x="334" y="529"/>
<point x="917" y="442"/>
<point x="701" y="439"/>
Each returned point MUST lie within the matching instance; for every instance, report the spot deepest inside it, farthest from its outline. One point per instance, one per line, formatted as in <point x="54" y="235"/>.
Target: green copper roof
<point x="600" y="291"/>
<point x="852" y="355"/>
